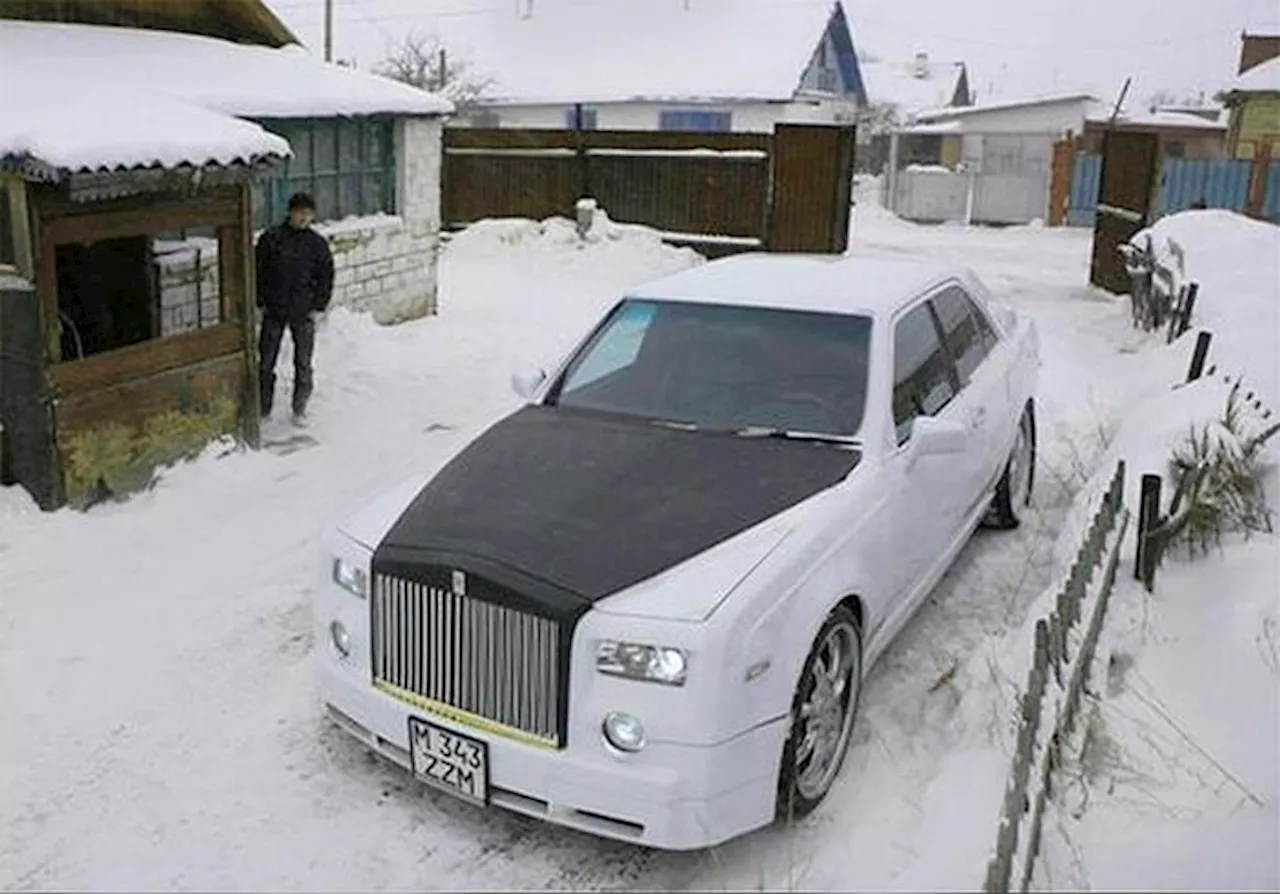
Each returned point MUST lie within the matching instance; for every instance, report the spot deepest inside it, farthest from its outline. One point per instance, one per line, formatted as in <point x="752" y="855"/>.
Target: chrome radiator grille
<point x="468" y="659"/>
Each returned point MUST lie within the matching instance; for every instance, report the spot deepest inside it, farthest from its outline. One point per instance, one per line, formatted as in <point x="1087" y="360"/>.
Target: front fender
<point x="776" y="624"/>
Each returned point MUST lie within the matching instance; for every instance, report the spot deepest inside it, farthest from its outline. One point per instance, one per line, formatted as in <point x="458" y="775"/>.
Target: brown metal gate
<point x="812" y="188"/>
<point x="720" y="192"/>
<point x="1129" y="168"/>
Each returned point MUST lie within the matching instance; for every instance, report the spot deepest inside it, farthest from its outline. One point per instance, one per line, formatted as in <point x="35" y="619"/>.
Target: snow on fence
<point x="1065" y="650"/>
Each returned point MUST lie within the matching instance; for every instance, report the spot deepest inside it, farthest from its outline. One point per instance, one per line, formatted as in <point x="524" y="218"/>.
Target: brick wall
<point x="189" y="295"/>
<point x="385" y="265"/>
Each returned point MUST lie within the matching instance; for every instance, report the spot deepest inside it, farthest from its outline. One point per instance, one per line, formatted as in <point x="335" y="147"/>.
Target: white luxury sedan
<point x="643" y="604"/>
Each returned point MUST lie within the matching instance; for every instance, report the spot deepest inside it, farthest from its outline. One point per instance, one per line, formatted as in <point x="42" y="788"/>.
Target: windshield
<point x="724" y="367"/>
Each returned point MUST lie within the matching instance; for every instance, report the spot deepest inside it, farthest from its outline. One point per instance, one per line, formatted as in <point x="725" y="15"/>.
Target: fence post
<point x="1199" y="355"/>
<point x="1188" y="307"/>
<point x="1259" y="167"/>
<point x="1148" y="518"/>
<point x="580" y="148"/>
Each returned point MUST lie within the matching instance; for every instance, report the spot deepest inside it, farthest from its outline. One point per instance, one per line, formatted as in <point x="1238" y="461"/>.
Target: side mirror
<point x="527" y="382"/>
<point x="931" y="436"/>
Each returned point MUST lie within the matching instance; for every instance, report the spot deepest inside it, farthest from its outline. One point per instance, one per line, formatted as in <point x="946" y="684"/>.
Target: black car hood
<point x="592" y="505"/>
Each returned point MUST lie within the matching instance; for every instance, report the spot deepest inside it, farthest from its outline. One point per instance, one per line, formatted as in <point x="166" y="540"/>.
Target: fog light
<point x="341" y="639"/>
<point x="623" y="731"/>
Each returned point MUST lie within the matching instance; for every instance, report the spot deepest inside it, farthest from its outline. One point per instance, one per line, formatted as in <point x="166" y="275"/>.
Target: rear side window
<point x="966" y="331"/>
<point x="923" y="378"/>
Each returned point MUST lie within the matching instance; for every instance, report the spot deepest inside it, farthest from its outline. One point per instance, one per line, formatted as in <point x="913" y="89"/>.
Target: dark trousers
<point x="303" y="333"/>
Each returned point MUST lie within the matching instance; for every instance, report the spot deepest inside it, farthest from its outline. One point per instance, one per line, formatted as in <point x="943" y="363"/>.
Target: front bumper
<point x="671" y="797"/>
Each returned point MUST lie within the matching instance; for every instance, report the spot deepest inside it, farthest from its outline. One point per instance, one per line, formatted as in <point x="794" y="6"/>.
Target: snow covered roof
<point x="1158" y="118"/>
<point x="60" y="124"/>
<point x="897" y="84"/>
<point x="1030" y="102"/>
<point x="933" y="128"/>
<point x="628" y="50"/>
<point x="90" y="97"/>
<point x="1264" y="78"/>
<point x="235" y="79"/>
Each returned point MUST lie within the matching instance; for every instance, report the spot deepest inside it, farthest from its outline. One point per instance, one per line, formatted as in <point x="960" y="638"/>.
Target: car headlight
<point x="351" y="578"/>
<point x="637" y="661"/>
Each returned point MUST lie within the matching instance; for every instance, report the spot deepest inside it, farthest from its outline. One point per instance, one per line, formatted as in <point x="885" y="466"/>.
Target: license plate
<point x="449" y="761"/>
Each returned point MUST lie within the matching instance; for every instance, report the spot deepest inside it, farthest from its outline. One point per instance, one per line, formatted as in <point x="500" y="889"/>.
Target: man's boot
<point x="266" y="396"/>
<point x="301" y="394"/>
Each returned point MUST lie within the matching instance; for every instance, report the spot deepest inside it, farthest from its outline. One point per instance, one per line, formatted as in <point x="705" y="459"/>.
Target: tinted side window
<point x="923" y="379"/>
<point x="968" y="335"/>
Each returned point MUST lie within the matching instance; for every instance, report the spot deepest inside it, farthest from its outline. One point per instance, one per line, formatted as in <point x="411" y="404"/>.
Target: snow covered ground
<point x="160" y="728"/>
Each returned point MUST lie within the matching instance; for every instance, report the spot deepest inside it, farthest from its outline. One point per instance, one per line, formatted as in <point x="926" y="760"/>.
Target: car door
<point x="970" y="341"/>
<point x="921" y="518"/>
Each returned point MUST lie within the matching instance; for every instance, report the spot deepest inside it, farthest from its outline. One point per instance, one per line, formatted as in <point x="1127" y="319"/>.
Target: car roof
<point x="826" y="283"/>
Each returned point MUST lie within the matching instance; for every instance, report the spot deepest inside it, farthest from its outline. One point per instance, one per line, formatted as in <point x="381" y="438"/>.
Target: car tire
<point x="821" y="722"/>
<point x="1013" y="493"/>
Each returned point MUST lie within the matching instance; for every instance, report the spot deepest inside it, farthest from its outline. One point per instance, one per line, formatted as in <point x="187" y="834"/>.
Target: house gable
<point x="833" y="68"/>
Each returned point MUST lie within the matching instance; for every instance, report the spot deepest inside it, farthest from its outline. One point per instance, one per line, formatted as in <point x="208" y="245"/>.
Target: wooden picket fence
<point x="1065" y="646"/>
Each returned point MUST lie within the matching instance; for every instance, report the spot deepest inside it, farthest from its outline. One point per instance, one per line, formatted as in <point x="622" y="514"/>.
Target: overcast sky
<point x="1012" y="47"/>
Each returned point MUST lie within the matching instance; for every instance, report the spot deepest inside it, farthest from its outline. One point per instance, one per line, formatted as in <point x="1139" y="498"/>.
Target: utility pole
<point x="328" y="30"/>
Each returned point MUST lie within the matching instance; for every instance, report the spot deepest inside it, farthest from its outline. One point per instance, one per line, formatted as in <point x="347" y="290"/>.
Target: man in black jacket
<point x="295" y="284"/>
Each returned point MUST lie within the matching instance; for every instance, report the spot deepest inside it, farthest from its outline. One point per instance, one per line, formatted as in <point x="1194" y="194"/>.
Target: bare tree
<point x="424" y="63"/>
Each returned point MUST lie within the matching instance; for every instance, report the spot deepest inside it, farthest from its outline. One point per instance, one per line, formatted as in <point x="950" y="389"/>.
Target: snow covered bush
<point x="1219" y="479"/>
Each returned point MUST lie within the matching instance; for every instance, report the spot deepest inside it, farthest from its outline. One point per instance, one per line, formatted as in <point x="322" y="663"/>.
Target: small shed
<point x="142" y="144"/>
<point x="93" y="394"/>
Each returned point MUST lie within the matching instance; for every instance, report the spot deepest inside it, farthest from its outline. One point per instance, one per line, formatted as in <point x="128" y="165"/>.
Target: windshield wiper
<point x="675" y="423"/>
<point x="785" y="434"/>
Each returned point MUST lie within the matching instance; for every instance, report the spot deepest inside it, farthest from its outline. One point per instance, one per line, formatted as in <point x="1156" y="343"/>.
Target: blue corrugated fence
<point x="1271" y="202"/>
<point x="1210" y="184"/>
<point x="1183" y="184"/>
<point x="1086" y="182"/>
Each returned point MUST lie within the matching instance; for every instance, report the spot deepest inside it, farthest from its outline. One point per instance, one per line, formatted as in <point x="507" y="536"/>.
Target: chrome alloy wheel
<point x="825" y="716"/>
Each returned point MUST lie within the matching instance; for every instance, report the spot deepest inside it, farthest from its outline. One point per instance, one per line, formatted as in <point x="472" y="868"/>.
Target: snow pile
<point x="1235" y="261"/>
<point x="1179" y="786"/>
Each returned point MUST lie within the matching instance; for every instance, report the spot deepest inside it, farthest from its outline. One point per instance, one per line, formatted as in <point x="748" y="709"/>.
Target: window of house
<point x="967" y="333"/>
<point x="923" y="377"/>
<point x="921" y="149"/>
<point x="348" y="165"/>
<point x="695" y="120"/>
<point x="590" y="119"/>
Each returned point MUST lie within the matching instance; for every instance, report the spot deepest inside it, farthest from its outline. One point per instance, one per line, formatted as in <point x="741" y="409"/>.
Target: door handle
<point x="979" y="417"/>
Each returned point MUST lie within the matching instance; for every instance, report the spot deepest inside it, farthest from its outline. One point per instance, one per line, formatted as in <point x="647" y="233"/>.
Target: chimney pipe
<point x="921" y="67"/>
